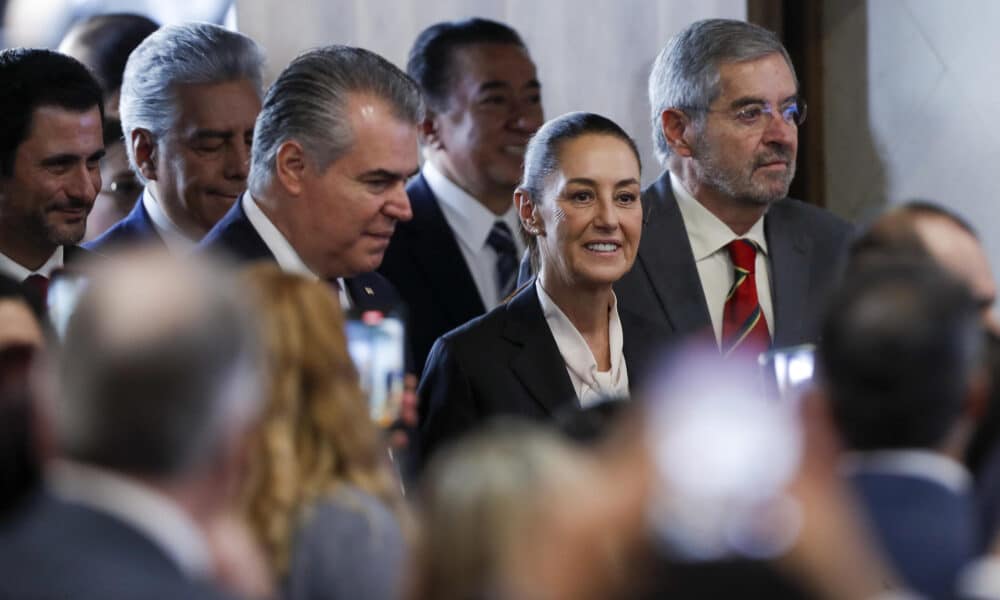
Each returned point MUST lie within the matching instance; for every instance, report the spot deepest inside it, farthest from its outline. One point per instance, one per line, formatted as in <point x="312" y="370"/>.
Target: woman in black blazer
<point x="561" y="341"/>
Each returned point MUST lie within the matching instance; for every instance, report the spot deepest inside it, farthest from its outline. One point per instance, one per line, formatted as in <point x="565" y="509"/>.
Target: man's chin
<point x="67" y="235"/>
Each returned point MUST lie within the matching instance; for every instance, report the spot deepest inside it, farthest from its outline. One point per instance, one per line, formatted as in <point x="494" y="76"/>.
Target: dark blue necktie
<point x="502" y="242"/>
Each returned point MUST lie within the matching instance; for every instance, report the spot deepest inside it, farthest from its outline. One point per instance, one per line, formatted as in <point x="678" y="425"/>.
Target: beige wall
<point x="592" y="55"/>
<point x="912" y="92"/>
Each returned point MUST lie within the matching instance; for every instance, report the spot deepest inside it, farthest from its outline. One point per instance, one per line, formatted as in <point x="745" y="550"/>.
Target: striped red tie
<point x="744" y="327"/>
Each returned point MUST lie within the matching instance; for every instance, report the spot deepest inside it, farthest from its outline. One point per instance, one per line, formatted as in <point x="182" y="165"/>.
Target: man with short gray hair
<point x="156" y="389"/>
<point x="724" y="250"/>
<point x="334" y="144"/>
<point x="189" y="98"/>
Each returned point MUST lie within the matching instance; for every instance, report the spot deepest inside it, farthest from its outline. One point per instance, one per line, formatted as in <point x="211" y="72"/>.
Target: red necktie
<point x="744" y="327"/>
<point x="38" y="284"/>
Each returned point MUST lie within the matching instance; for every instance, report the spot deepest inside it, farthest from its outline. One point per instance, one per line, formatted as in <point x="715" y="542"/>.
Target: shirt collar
<point x="914" y="462"/>
<point x="285" y="255"/>
<point x="176" y="240"/>
<point x="578" y="357"/>
<point x="153" y="514"/>
<point x="470" y="220"/>
<point x="14" y="270"/>
<point x="706" y="232"/>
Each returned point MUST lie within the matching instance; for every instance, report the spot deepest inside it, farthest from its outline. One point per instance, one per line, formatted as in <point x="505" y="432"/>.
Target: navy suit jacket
<point x="806" y="246"/>
<point x="135" y="229"/>
<point x="928" y="532"/>
<point x="428" y="268"/>
<point x="234" y="235"/>
<point x="57" y="550"/>
<point x="506" y="362"/>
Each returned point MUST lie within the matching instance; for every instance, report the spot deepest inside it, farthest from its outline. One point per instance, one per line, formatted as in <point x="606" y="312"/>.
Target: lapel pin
<point x="369" y="291"/>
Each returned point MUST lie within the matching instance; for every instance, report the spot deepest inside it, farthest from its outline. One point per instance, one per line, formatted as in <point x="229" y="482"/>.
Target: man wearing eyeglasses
<point x="723" y="248"/>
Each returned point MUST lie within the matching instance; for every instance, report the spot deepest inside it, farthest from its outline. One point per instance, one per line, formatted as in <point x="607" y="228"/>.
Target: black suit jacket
<point x="806" y="247"/>
<point x="506" y="362"/>
<point x="428" y="268"/>
<point x="57" y="550"/>
<point x="135" y="229"/>
<point x="234" y="235"/>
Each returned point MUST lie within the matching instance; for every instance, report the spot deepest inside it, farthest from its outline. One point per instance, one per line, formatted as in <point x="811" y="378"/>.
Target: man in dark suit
<point x="333" y="147"/>
<point x="155" y="392"/>
<point x="901" y="369"/>
<point x="189" y="98"/>
<point x="454" y="260"/>
<point x="726" y="113"/>
<point x="50" y="151"/>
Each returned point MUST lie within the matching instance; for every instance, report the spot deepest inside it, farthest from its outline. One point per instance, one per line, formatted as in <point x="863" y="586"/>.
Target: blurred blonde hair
<point x="315" y="433"/>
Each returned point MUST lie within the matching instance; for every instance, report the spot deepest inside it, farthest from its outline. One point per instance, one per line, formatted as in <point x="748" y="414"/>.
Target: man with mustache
<point x="456" y="259"/>
<point x="333" y="146"/>
<point x="723" y="248"/>
<point x="50" y="151"/>
<point x="189" y="98"/>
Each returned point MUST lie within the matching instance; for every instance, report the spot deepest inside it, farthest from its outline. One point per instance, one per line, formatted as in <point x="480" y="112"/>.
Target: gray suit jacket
<point x="806" y="246"/>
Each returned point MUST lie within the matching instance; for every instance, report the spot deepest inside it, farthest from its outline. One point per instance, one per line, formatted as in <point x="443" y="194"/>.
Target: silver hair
<point x="189" y="53"/>
<point x="307" y="104"/>
<point x="686" y="72"/>
<point x="157" y="391"/>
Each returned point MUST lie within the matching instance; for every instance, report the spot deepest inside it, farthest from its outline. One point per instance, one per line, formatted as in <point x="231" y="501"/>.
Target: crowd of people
<point x="700" y="389"/>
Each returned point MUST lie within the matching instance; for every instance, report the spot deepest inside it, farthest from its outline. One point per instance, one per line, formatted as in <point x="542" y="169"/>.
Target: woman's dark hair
<point x="541" y="159"/>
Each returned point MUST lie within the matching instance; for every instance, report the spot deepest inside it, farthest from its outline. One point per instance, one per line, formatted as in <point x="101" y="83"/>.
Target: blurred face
<point x="591" y="216"/>
<point x="740" y="153"/>
<point x="345" y="217"/>
<point x="962" y="255"/>
<point x="119" y="192"/>
<point x="494" y="107"/>
<point x="203" y="162"/>
<point x="56" y="177"/>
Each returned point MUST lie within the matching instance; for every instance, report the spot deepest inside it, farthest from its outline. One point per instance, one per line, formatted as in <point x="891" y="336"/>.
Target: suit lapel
<point x="539" y="366"/>
<point x="440" y="258"/>
<point x="790" y="251"/>
<point x="666" y="258"/>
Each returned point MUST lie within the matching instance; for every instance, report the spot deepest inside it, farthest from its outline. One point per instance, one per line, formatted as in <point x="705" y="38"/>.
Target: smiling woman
<point x="560" y="343"/>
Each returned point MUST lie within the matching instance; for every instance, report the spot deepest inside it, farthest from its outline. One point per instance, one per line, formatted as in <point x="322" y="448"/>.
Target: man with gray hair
<point x="189" y="98"/>
<point x="334" y="144"/>
<point x="155" y="390"/>
<point x="723" y="249"/>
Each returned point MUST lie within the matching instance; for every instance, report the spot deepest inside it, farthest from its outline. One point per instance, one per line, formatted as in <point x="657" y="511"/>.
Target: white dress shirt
<point x="913" y="462"/>
<point x="471" y="223"/>
<point x="286" y="256"/>
<point x="591" y="385"/>
<point x="156" y="516"/>
<point x="177" y="241"/>
<point x="709" y="238"/>
<point x="14" y="270"/>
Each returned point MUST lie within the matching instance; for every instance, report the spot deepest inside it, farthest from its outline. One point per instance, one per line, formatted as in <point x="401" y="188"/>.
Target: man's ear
<point x="678" y="129"/>
<point x="531" y="220"/>
<point x="290" y="166"/>
<point x="145" y="152"/>
<point x="428" y="130"/>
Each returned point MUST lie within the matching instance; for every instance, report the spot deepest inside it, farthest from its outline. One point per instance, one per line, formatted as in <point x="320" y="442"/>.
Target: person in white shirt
<point x="562" y="340"/>
<point x="49" y="162"/>
<point x="189" y="99"/>
<point x="457" y="257"/>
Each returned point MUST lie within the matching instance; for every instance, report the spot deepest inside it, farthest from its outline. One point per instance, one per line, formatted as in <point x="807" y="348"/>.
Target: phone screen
<point x="375" y="343"/>
<point x="64" y="292"/>
<point x="786" y="372"/>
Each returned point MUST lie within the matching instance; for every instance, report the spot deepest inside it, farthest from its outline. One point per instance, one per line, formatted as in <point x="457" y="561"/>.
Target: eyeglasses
<point x="758" y="114"/>
<point x="126" y="187"/>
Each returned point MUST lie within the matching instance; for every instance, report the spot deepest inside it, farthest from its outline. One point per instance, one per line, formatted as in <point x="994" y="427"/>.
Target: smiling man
<point x="333" y="147"/>
<point x="724" y="250"/>
<point x="50" y="150"/>
<point x="189" y="98"/>
<point x="456" y="259"/>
